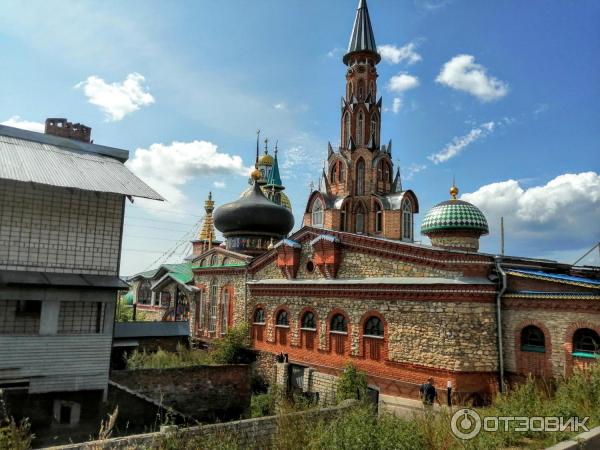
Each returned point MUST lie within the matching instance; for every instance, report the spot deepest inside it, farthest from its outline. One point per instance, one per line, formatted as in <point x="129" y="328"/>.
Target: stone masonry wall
<point x="45" y="228"/>
<point x="558" y="328"/>
<point x="454" y="336"/>
<point x="201" y="392"/>
<point x="358" y="265"/>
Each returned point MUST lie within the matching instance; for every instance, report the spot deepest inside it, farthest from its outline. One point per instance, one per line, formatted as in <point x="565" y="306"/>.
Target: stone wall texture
<point x="558" y="328"/>
<point x="201" y="392"/>
<point x="51" y="229"/>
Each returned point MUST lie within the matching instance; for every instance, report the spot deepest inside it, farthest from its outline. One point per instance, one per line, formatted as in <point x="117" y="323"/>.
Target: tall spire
<point x="257" y="139"/>
<point x="207" y="232"/>
<point x="362" y="38"/>
<point x="274" y="177"/>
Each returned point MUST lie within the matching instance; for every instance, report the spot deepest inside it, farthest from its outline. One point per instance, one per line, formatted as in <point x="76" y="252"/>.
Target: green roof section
<point x="180" y="272"/>
<point x="128" y="298"/>
<point x="274" y="177"/>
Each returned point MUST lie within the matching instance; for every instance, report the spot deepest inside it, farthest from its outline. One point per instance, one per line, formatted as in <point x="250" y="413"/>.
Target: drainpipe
<point x="498" y="261"/>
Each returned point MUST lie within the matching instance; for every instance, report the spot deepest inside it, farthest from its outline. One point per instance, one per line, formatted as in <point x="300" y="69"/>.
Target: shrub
<point x="233" y="348"/>
<point x="182" y="357"/>
<point x="352" y="384"/>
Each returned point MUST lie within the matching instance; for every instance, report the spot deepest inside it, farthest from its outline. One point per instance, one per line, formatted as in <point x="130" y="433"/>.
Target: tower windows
<point x="360" y="177"/>
<point x="378" y="217"/>
<point x="384" y="171"/>
<point x="375" y="129"/>
<point x="361" y="90"/>
<point x="334" y="173"/>
<point x="341" y="172"/>
<point x="350" y="91"/>
<point x="317" y="214"/>
<point x="407" y="220"/>
<point x="344" y="217"/>
<point x="359" y="220"/>
<point x="360" y="129"/>
<point x="346" y="130"/>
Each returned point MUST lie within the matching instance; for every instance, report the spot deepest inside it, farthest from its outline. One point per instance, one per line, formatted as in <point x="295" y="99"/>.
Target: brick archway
<point x="572" y="361"/>
<point x="535" y="363"/>
<point x="373" y="348"/>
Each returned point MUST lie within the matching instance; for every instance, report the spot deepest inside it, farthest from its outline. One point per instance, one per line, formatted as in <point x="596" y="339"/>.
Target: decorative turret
<point x="274" y="187"/>
<point x="455" y="224"/>
<point x="207" y="237"/>
<point x="252" y="221"/>
<point x="362" y="39"/>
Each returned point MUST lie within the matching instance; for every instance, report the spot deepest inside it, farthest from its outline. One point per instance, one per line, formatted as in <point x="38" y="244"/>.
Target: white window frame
<point x="407" y="221"/>
<point x="317" y="214"/>
<point x="213" y="311"/>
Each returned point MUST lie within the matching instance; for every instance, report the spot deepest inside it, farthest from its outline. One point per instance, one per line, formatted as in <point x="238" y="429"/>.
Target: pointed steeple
<point x="207" y="232"/>
<point x="274" y="177"/>
<point x="397" y="184"/>
<point x="325" y="188"/>
<point x="362" y="38"/>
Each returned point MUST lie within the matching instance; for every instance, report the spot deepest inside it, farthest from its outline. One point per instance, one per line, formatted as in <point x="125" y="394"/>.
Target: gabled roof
<point x="362" y="38"/>
<point x="32" y="157"/>
<point x="555" y="277"/>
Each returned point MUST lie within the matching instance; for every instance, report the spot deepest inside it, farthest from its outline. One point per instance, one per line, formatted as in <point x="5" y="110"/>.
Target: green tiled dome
<point x="454" y="215"/>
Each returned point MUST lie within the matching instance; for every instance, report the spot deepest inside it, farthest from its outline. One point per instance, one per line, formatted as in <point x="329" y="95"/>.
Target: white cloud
<point x="402" y="82"/>
<point x="412" y="170"/>
<point x="15" y="121"/>
<point x="116" y="99"/>
<point x="561" y="215"/>
<point x="540" y="108"/>
<point x="395" y="55"/>
<point x="280" y="105"/>
<point x="396" y="105"/>
<point x="335" y="52"/>
<point x="458" y="143"/>
<point x="463" y="74"/>
<point x="166" y="168"/>
<point x="219" y="184"/>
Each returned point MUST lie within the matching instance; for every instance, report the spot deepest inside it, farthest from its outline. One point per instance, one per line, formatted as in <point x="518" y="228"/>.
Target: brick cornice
<point x="450" y="293"/>
<point x="568" y="305"/>
<point x="219" y="270"/>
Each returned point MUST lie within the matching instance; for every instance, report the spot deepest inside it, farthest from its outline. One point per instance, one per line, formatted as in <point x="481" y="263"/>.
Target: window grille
<point x="19" y="317"/>
<point x="81" y="317"/>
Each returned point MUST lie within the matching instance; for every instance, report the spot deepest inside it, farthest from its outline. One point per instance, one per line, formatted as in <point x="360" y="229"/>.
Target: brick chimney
<point x="60" y="127"/>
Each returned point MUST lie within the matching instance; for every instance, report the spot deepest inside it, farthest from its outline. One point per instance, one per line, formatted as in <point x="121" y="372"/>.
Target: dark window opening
<point x="586" y="342"/>
<point x="532" y="339"/>
<point x="310" y="266"/>
<point x="374" y="327"/>
<point x="259" y="316"/>
<point x="339" y="323"/>
<point x="308" y="320"/>
<point x="29" y="307"/>
<point x="65" y="414"/>
<point x="282" y="318"/>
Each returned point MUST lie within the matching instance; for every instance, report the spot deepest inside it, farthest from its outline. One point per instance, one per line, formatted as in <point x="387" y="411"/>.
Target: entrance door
<point x="296" y="377"/>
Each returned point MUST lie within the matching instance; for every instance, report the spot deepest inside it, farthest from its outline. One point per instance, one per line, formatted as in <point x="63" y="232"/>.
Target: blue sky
<point x="514" y="114"/>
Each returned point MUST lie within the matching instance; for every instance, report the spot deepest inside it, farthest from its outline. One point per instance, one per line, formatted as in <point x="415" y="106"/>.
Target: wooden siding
<point x="56" y="363"/>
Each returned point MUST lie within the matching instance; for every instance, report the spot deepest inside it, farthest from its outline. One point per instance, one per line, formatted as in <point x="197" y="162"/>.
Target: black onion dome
<point x="253" y="214"/>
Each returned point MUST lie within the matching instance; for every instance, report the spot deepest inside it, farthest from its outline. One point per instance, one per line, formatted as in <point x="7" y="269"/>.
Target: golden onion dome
<point x="265" y="160"/>
<point x="256" y="175"/>
<point x="285" y="201"/>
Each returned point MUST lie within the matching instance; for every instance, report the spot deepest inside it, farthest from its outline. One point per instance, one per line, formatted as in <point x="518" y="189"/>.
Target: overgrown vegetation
<point x="13" y="435"/>
<point x="233" y="348"/>
<point x="125" y="312"/>
<point x="352" y="384"/>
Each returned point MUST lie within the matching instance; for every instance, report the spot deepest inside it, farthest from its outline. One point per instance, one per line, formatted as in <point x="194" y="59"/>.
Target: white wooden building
<point x="62" y="204"/>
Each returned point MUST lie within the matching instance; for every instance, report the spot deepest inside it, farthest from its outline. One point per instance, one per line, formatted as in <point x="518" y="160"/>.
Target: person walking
<point x="429" y="394"/>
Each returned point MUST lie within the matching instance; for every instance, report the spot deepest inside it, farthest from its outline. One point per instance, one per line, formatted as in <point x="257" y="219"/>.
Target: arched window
<point x="338" y="329"/>
<point x="308" y="330"/>
<point x="360" y="177"/>
<point x="378" y="217"/>
<point x="258" y="324"/>
<point x="372" y="88"/>
<point x="282" y="325"/>
<point x="308" y="321"/>
<point x="373" y="338"/>
<point x="334" y="173"/>
<point x="341" y="172"/>
<point x="282" y="318"/>
<point x="586" y="342"/>
<point x="359" y="219"/>
<point x="339" y="324"/>
<point x="346" y="130"/>
<point x="532" y="339"/>
<point x="344" y="217"/>
<point x="202" y="262"/>
<point x="317" y="213"/>
<point x="144" y="294"/>
<point x="213" y="310"/>
<point x="361" y="89"/>
<point x="214" y="260"/>
<point x="259" y="316"/>
<point x="375" y="129"/>
<point x="225" y="310"/>
<point x="360" y="127"/>
<point x="374" y="327"/>
<point x="200" y="312"/>
<point x="407" y="220"/>
<point x="350" y="91"/>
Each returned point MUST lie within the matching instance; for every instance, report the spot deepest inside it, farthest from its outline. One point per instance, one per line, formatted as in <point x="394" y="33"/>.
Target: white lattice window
<point x="213" y="311"/>
<point x="317" y="214"/>
<point x="407" y="220"/>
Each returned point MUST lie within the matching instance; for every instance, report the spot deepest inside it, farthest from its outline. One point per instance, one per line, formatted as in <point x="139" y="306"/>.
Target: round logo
<point x="465" y="424"/>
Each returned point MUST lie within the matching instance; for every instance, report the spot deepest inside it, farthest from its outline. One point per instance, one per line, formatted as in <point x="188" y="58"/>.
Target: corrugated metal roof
<point x="26" y="278"/>
<point x="32" y="157"/>
<point x="569" y="279"/>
